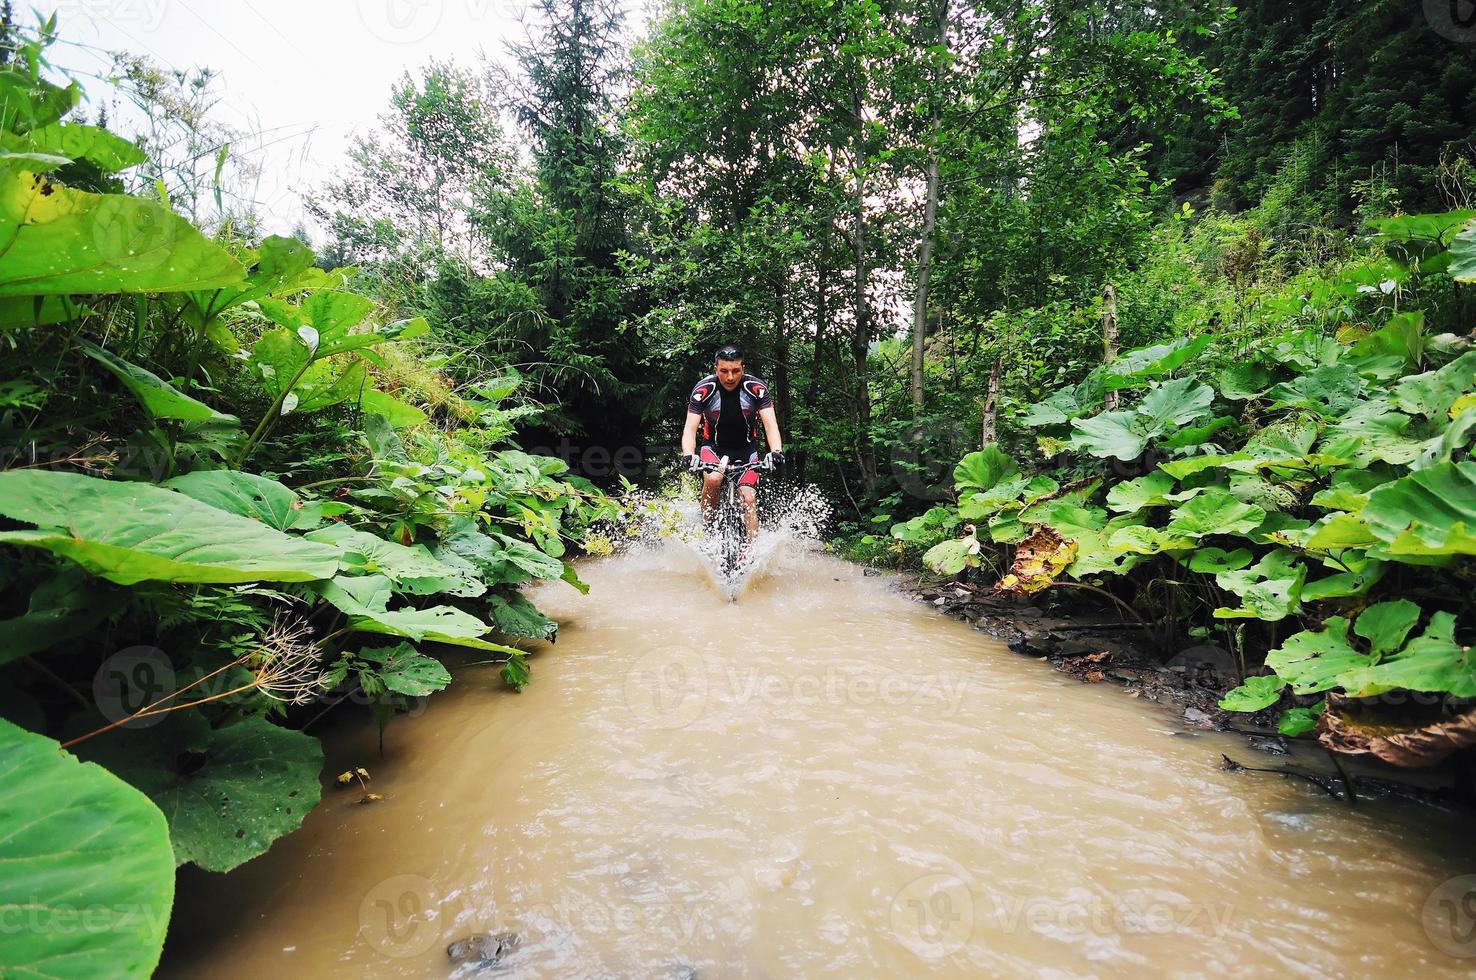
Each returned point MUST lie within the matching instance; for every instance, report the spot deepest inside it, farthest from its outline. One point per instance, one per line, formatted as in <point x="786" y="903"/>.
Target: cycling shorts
<point x="709" y="454"/>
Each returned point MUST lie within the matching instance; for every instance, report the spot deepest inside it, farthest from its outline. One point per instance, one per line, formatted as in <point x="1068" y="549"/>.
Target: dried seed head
<point x="286" y="666"/>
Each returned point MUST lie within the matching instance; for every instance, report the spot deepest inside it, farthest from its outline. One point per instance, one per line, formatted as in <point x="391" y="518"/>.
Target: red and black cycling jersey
<point x="750" y="397"/>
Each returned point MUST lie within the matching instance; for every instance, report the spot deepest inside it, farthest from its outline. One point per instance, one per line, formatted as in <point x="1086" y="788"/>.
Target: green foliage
<point x="79" y="840"/>
<point x="1332" y="458"/>
<point x="228" y="792"/>
<point x="262" y="563"/>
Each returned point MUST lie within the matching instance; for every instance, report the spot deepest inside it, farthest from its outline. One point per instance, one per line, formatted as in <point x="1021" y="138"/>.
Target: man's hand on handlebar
<point x="774" y="461"/>
<point x="694" y="463"/>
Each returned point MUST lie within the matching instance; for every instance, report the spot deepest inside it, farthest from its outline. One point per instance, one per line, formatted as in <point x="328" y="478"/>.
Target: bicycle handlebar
<point x="726" y="467"/>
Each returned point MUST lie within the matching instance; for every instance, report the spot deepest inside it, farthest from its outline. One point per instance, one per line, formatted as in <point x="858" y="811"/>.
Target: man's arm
<point x="689" y="433"/>
<point x="771" y="429"/>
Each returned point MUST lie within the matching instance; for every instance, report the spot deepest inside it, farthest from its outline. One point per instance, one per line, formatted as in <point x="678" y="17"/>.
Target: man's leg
<point x="749" y="498"/>
<point x="712" y="485"/>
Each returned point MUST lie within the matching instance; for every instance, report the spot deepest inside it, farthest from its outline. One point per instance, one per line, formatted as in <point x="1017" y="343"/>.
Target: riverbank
<point x="1104" y="646"/>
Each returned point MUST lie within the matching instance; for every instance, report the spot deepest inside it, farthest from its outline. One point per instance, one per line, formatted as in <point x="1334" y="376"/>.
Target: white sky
<point x="307" y="74"/>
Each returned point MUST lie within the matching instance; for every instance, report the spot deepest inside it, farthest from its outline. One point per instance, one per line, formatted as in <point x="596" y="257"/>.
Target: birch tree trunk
<point x="988" y="429"/>
<point x="930" y="212"/>
<point x="1109" y="336"/>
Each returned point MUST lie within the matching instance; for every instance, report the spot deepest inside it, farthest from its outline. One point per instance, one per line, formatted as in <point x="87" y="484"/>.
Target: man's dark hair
<point x="727" y="352"/>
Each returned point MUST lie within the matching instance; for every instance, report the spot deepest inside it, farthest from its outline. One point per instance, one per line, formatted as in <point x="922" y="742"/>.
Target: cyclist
<point x="727" y="406"/>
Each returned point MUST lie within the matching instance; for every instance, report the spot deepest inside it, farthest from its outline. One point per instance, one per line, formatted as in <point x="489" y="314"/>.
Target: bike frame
<point x="732" y="533"/>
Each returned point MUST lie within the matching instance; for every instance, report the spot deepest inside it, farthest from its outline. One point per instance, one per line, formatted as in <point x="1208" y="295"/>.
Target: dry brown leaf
<point x="1416" y="747"/>
<point x="1038" y="560"/>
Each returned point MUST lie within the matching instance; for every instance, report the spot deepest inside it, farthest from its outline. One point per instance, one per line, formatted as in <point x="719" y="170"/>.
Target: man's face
<point x="729" y="373"/>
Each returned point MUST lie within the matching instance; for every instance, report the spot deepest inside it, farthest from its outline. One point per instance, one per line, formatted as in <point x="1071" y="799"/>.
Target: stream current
<point x="820" y="779"/>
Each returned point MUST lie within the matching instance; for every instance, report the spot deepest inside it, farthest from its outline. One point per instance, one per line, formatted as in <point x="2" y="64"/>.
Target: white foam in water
<point x="790" y="516"/>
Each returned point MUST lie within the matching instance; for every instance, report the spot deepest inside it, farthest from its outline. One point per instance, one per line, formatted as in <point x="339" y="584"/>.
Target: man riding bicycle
<point x="727" y="405"/>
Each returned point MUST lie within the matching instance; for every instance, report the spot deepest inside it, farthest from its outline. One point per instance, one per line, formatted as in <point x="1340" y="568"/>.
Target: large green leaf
<point x="1256" y="693"/>
<point x="519" y="617"/>
<point x="1125" y="434"/>
<point x="1244" y="380"/>
<point x="77" y="141"/>
<point x="365" y="600"/>
<point x="1118" y="434"/>
<point x="397" y="413"/>
<point x="983" y="469"/>
<point x="279" y="265"/>
<point x="1329" y="390"/>
<point x="404" y="670"/>
<point x="66" y="605"/>
<point x="1344" y="584"/>
<point x="89" y="874"/>
<point x="1428" y="513"/>
<point x="1136" y="366"/>
<point x="505" y="560"/>
<point x="1433" y="661"/>
<point x="1313" y="661"/>
<point x="1382" y="434"/>
<point x="1175" y="403"/>
<point x="1431" y="394"/>
<point x="1463" y="255"/>
<point x="249" y="495"/>
<point x="1142" y="540"/>
<point x="413" y="570"/>
<point x="1385" y="625"/>
<point x="133" y="532"/>
<point x="1401" y="341"/>
<point x="55" y="240"/>
<point x="1271" y="589"/>
<point x="227" y="792"/>
<point x="1438" y="227"/>
<point x="158" y="397"/>
<point x="1215" y="511"/>
<point x="1152" y="490"/>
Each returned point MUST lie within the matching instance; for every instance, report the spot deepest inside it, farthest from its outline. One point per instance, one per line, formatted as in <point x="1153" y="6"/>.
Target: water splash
<point x="668" y="519"/>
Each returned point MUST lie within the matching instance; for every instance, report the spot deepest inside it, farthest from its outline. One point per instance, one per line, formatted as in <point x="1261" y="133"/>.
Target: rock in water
<point x="482" y="947"/>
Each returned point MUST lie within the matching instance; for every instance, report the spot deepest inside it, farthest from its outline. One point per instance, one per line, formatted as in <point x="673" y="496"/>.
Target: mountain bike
<point x="728" y="528"/>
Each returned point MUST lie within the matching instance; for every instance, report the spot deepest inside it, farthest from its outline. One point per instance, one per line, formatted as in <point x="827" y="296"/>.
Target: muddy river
<point x="821" y="779"/>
